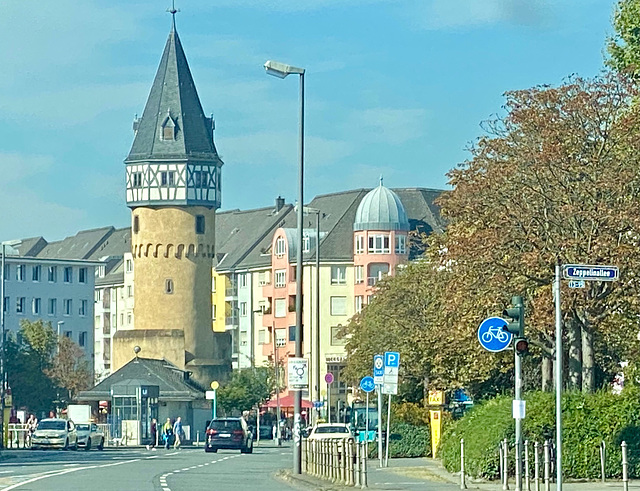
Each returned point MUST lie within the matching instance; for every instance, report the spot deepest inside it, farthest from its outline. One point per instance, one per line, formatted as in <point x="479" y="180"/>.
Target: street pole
<point x="317" y="350"/>
<point x="379" y="389"/>
<point x="518" y="398"/>
<point x="4" y="251"/>
<point x="276" y="363"/>
<point x="297" y="401"/>
<point x="366" y="430"/>
<point x="558" y="381"/>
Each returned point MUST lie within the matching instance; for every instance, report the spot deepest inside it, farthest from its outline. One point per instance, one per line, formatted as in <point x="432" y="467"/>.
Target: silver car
<point x="90" y="435"/>
<point x="55" y="433"/>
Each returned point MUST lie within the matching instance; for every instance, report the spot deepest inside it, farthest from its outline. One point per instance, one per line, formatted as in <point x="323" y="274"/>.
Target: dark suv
<point x="231" y="433"/>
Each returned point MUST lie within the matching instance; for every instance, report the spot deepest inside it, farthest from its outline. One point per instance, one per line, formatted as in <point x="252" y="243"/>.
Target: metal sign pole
<point x="558" y="381"/>
<point x="366" y="429"/>
<point x="379" y="388"/>
<point x="386" y="458"/>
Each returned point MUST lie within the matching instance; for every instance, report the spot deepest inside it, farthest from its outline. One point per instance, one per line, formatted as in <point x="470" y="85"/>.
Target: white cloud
<point x="389" y="125"/>
<point x="449" y="14"/>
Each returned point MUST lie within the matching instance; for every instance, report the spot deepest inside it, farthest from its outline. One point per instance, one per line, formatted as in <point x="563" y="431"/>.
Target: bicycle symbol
<point x="495" y="332"/>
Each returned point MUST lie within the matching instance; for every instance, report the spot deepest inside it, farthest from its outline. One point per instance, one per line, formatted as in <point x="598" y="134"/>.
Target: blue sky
<point x="394" y="87"/>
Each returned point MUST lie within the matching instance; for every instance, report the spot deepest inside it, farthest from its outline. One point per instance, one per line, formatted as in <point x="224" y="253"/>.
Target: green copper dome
<point x="381" y="209"/>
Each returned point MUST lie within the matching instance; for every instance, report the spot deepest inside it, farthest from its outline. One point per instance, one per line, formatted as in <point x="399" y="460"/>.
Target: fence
<point x="543" y="456"/>
<point x="337" y="460"/>
<point x="18" y="435"/>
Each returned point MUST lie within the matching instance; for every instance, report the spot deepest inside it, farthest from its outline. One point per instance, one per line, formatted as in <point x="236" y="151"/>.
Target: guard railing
<point x="337" y="460"/>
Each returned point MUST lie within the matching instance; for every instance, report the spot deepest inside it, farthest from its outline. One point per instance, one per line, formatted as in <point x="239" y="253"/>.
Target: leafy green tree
<point x="69" y="369"/>
<point x="245" y="389"/>
<point x="624" y="46"/>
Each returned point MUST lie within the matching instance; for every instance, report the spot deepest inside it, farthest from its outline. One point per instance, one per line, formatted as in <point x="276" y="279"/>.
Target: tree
<point x="69" y="369"/>
<point x="624" y="46"/>
<point x="245" y="389"/>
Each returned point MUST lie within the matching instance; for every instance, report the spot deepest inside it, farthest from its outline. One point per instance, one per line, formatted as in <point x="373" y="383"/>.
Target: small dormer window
<point x="168" y="128"/>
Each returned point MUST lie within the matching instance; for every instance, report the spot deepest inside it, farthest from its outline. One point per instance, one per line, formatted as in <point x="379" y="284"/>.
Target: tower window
<point x="205" y="175"/>
<point x="163" y="178"/>
<point x="168" y="286"/>
<point x="136" y="224"/>
<point x="199" y="224"/>
<point x="137" y="179"/>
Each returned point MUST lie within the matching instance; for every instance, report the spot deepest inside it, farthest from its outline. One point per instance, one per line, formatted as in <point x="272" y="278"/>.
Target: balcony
<point x="372" y="280"/>
<point x="231" y="291"/>
<point x="231" y="320"/>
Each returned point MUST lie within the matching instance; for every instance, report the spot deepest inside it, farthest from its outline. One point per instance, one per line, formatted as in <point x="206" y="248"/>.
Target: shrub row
<point x="588" y="420"/>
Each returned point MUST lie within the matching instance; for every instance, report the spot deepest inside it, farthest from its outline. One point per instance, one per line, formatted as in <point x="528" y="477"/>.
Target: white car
<point x="55" y="433"/>
<point x="326" y="431"/>
<point x="90" y="435"/>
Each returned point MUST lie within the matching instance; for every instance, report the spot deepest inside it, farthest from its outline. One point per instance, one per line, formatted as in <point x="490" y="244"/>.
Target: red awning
<point x="286" y="401"/>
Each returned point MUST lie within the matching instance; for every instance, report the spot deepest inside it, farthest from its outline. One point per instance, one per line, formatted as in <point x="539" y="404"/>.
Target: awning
<point x="286" y="401"/>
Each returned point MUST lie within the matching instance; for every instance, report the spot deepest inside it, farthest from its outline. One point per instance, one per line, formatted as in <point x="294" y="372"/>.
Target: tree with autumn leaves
<point x="555" y="180"/>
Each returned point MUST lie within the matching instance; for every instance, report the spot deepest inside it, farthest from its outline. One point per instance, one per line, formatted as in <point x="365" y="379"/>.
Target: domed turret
<point x="381" y="209"/>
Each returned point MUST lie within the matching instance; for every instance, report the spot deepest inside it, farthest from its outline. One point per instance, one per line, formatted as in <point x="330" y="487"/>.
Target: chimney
<point x="279" y="203"/>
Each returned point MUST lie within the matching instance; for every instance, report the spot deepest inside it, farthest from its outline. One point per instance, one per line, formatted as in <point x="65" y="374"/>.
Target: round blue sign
<point x="492" y="335"/>
<point x="367" y="384"/>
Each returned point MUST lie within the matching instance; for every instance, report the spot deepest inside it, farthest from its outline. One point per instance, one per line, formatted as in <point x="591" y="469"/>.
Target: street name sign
<point x="298" y="374"/>
<point x="378" y="369"/>
<point x="367" y="384"/>
<point x="589" y="272"/>
<point x="391" y="368"/>
<point x="492" y="335"/>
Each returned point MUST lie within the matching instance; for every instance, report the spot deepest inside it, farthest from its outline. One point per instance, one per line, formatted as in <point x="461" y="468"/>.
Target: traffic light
<point x="515" y="314"/>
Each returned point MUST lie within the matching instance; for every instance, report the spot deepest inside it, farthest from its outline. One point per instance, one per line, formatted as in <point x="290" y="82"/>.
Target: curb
<point x="309" y="482"/>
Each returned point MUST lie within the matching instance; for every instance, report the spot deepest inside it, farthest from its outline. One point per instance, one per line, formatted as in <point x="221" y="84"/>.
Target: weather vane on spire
<point x="173" y="11"/>
<point x="380" y="179"/>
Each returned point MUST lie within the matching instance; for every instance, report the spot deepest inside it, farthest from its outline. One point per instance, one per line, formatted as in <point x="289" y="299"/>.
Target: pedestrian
<point x="274" y="432"/>
<point x="167" y="433"/>
<point x="177" y="432"/>
<point x="32" y="424"/>
<point x="154" y="434"/>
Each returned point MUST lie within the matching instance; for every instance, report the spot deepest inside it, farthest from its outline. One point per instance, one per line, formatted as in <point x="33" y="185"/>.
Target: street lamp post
<point x="281" y="70"/>
<point x="10" y="244"/>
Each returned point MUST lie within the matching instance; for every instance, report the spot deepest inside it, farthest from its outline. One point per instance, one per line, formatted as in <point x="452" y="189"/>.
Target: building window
<point x="379" y="244"/>
<point x="36" y="306"/>
<point x="82" y="339"/>
<point x="168" y="286"/>
<point x="359" y="244"/>
<point x="338" y="275"/>
<point x="168" y="132"/>
<point x="35" y="273"/>
<point x="401" y="244"/>
<point x="243" y="309"/>
<point x="264" y="278"/>
<point x="280" y="307"/>
<point x="359" y="274"/>
<point x="280" y="277"/>
<point x="53" y="274"/>
<point x="200" y="224"/>
<point x="101" y="270"/>
<point x="280" y="246"/>
<point x="262" y="336"/>
<point x="67" y="305"/>
<point x="52" y="306"/>
<point x="68" y="274"/>
<point x="97" y="296"/>
<point x="281" y="337"/>
<point x="20" y="302"/>
<point x="358" y="304"/>
<point x="129" y="318"/>
<point x="7" y="272"/>
<point x="21" y="272"/>
<point x="129" y="266"/>
<point x="83" y="308"/>
<point x="338" y="305"/>
<point x="242" y="280"/>
<point x="292" y="333"/>
<point x="306" y="243"/>
<point x="136" y="224"/>
<point x="129" y="291"/>
<point x="5" y="304"/>
<point x="336" y="340"/>
<point x="82" y="275"/>
<point x="172" y="178"/>
<point x="214" y="311"/>
<point x="68" y="334"/>
<point x="137" y="179"/>
<point x="205" y="179"/>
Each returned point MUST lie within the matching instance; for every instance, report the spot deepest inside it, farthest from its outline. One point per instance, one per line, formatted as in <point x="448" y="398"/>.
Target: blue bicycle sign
<point x="492" y="335"/>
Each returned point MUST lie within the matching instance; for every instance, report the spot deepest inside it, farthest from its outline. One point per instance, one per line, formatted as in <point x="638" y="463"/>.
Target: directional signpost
<point x="492" y="335"/>
<point x="577" y="274"/>
<point x="378" y="379"/>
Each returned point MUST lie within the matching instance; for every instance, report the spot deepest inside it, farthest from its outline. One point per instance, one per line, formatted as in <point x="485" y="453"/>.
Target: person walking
<point x="154" y="434"/>
<point x="167" y="433"/>
<point x="178" y="432"/>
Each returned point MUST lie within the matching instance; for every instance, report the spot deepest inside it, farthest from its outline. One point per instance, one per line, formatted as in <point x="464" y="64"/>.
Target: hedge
<point x="588" y="419"/>
<point x="407" y="440"/>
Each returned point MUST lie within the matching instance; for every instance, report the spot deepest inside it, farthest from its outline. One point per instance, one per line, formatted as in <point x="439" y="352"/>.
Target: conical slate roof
<point x="381" y="209"/>
<point x="173" y="102"/>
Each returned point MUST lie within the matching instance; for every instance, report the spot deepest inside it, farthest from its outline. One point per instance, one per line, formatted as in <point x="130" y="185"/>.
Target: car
<point x="229" y="433"/>
<point x="55" y="433"/>
<point x="90" y="435"/>
<point x="326" y="431"/>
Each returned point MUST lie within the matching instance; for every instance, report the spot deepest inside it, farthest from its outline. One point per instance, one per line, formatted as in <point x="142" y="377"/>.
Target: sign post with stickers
<point x="378" y="379"/>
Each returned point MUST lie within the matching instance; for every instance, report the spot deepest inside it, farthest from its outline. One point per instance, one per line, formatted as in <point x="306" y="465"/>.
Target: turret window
<point x="168" y="129"/>
<point x="137" y="179"/>
<point x="167" y="178"/>
<point x="359" y="244"/>
<point x="379" y="244"/>
<point x="199" y="224"/>
<point x="136" y="224"/>
<point x="168" y="286"/>
<point x="401" y="244"/>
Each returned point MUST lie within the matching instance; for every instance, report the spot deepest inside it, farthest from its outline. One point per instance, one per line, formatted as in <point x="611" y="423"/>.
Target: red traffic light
<point x="521" y="346"/>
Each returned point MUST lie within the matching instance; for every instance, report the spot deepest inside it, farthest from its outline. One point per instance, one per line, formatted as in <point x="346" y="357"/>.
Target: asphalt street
<point x="138" y="469"/>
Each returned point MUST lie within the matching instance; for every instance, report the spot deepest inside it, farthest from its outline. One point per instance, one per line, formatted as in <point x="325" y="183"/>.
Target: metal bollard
<point x="357" y="472"/>
<point x="547" y="484"/>
<point x="505" y="466"/>
<point x="518" y="465"/>
<point x="350" y="466"/>
<point x="625" y="467"/>
<point x="603" y="459"/>
<point x="463" y="485"/>
<point x="363" y="478"/>
<point x="527" y="482"/>
<point x="198" y="438"/>
<point x="500" y="462"/>
<point x="536" y="470"/>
